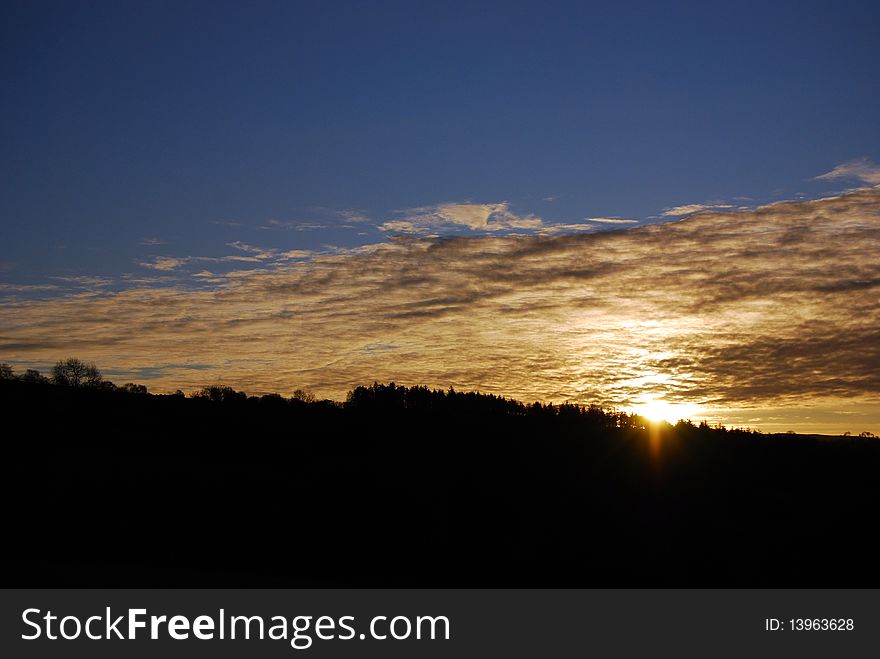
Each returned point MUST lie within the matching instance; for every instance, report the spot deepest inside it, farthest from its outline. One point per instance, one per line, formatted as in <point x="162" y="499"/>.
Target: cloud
<point x="353" y="215"/>
<point x="294" y="225"/>
<point x="268" y="254"/>
<point x="152" y="241"/>
<point x="164" y="263"/>
<point x="347" y="218"/>
<point x="129" y="278"/>
<point x="690" y="209"/>
<point x="476" y="217"/>
<point x="567" y="228"/>
<point x="754" y="314"/>
<point x="26" y="288"/>
<point x="85" y="281"/>
<point x="611" y="220"/>
<point x="295" y="254"/>
<point x="253" y="254"/>
<point x="258" y="252"/>
<point x="861" y="169"/>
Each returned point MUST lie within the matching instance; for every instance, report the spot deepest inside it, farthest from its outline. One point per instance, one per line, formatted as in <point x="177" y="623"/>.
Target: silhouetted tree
<point x="132" y="388"/>
<point x="220" y="394"/>
<point x="33" y="375"/>
<point x="73" y="372"/>
<point x="303" y="396"/>
<point x="273" y="401"/>
<point x="6" y="372"/>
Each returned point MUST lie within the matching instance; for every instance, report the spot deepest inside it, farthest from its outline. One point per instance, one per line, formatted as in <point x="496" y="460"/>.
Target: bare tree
<point x="303" y="396"/>
<point x="73" y="372"/>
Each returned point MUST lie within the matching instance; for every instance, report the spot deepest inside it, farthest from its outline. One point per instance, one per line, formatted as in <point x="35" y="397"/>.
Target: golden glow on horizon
<point x="738" y="313"/>
<point x="657" y="409"/>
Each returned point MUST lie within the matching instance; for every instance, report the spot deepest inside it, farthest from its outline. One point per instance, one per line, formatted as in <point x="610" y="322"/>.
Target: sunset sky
<point x="673" y="205"/>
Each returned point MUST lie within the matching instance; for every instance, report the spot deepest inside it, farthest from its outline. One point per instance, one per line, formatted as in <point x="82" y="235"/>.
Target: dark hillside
<point x="406" y="487"/>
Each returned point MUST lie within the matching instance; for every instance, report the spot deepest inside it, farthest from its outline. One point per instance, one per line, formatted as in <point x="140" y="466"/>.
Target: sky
<point x="603" y="202"/>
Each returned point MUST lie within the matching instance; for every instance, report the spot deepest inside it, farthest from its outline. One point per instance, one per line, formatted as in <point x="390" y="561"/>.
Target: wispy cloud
<point x="258" y="252"/>
<point x="690" y="209"/>
<point x="329" y="218"/>
<point x="293" y="225"/>
<point x="776" y="307"/>
<point x="85" y="281"/>
<point x="270" y="254"/>
<point x="252" y="254"/>
<point x="454" y="218"/>
<point x="860" y="169"/>
<point x="353" y="215"/>
<point x="476" y="217"/>
<point x="172" y="263"/>
<point x="164" y="263"/>
<point x="152" y="241"/>
<point x="129" y="278"/>
<point x="294" y="254"/>
<point x="611" y="220"/>
<point x="26" y="288"/>
<point x="566" y="228"/>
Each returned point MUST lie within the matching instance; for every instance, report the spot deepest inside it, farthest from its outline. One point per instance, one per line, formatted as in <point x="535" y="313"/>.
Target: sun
<point x="657" y="410"/>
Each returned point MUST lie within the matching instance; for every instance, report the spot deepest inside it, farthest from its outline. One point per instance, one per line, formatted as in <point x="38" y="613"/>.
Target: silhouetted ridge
<point x="408" y="486"/>
<point x="377" y="398"/>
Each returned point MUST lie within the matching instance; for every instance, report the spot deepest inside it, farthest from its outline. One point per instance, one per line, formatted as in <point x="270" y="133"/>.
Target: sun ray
<point x="657" y="410"/>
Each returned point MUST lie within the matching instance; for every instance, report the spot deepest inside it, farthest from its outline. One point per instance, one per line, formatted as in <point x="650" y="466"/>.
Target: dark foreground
<point x="413" y="488"/>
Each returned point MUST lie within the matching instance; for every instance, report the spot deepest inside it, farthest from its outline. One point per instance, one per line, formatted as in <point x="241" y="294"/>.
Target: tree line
<point x="71" y="372"/>
<point x="378" y="397"/>
<point x="375" y="398"/>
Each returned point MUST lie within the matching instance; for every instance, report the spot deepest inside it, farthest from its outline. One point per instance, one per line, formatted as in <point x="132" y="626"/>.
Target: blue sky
<point x="188" y="126"/>
<point x="318" y="195"/>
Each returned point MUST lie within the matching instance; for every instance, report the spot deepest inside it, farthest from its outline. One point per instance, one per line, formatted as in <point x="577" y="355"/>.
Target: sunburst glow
<point x="637" y="319"/>
<point x="656" y="409"/>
